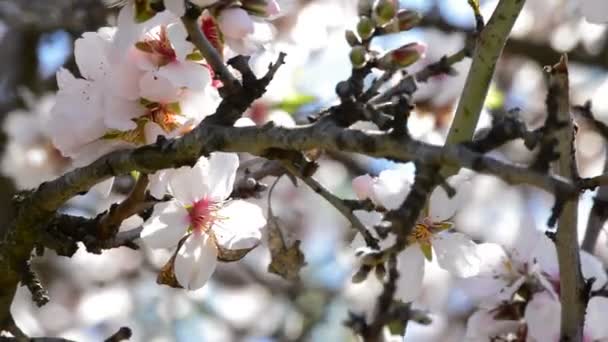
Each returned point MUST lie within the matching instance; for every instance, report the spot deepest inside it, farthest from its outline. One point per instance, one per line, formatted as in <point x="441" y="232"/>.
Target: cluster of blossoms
<point x="145" y="79"/>
<point x="432" y="235"/>
<point x="517" y="292"/>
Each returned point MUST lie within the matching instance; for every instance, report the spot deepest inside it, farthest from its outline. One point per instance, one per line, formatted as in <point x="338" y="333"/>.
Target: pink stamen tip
<point x="202" y="214"/>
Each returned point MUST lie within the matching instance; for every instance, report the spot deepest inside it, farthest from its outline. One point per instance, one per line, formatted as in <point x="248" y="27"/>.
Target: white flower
<point x="543" y="317"/>
<point x="455" y="252"/>
<point x="534" y="261"/>
<point x="29" y="156"/>
<point x="201" y="213"/>
<point x="482" y="326"/>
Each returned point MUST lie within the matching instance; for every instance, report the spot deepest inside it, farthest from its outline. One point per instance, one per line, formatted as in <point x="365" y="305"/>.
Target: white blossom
<point x="454" y="251"/>
<point x="203" y="218"/>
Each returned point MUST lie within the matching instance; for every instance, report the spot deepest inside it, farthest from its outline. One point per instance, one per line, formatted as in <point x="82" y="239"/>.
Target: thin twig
<point x="336" y="202"/>
<point x="108" y="225"/>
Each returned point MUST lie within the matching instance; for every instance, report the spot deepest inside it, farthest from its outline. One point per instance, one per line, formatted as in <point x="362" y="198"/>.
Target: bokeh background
<point x="93" y="295"/>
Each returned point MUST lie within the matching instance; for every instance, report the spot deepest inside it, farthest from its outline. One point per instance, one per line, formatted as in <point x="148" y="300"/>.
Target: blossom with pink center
<point x="203" y="219"/>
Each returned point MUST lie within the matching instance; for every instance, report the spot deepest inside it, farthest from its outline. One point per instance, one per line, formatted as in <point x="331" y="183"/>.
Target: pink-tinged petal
<point x="124" y="77"/>
<point x="272" y="8"/>
<point x="482" y="326"/>
<point x="186" y="74"/>
<point x="177" y="36"/>
<point x="596" y="328"/>
<point x="362" y="186"/>
<point x="222" y="172"/>
<point x="391" y="188"/>
<point x="240" y="225"/>
<point x="157" y="88"/>
<point x="543" y="317"/>
<point x="592" y="267"/>
<point x="410" y="264"/>
<point x="457" y="254"/>
<point x="235" y="23"/>
<point x="176" y="7"/>
<point x="188" y="184"/>
<point x="195" y="261"/>
<point x="545" y="255"/>
<point x="595" y="11"/>
<point x="167" y="225"/>
<point x="90" y="55"/>
<point x="120" y="112"/>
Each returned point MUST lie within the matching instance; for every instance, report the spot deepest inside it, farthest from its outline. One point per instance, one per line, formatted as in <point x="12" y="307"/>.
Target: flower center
<point x="163" y="114"/>
<point x="159" y="46"/>
<point x="203" y="214"/>
<point x="423" y="232"/>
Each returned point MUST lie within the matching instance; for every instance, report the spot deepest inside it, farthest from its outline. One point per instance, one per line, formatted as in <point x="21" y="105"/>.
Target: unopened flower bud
<point x="402" y="57"/>
<point x="351" y="38"/>
<point x="384" y="11"/>
<point x="405" y="20"/>
<point x="358" y="56"/>
<point x="365" y="27"/>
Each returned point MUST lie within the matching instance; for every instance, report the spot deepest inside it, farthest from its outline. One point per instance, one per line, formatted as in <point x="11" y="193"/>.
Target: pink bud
<point x="235" y="23"/>
<point x="272" y="8"/>
<point x="362" y="186"/>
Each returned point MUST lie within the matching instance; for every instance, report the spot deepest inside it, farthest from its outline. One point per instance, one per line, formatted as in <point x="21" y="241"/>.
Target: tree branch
<point x="572" y="284"/>
<point x="488" y="49"/>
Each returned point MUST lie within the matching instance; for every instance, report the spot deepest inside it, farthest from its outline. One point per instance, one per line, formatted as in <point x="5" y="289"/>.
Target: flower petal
<point x="195" y="261"/>
<point x="187" y="74"/>
<point x="235" y="23"/>
<point x="410" y="264"/>
<point x="188" y="184"/>
<point x="241" y="225"/>
<point x="543" y="317"/>
<point x="596" y="328"/>
<point x="362" y="186"/>
<point x="592" y="268"/>
<point x="457" y="254"/>
<point x="221" y="174"/>
<point x="167" y="225"/>
<point x="482" y="326"/>
<point x="391" y="188"/>
<point x="157" y="88"/>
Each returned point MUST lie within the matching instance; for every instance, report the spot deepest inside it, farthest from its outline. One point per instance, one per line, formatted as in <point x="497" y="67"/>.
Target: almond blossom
<point x="533" y="263"/>
<point x="454" y="251"/>
<point x="531" y="268"/>
<point x="543" y="316"/>
<point x="201" y="221"/>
